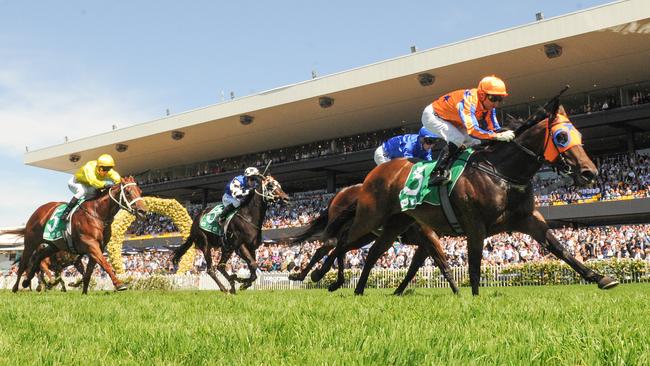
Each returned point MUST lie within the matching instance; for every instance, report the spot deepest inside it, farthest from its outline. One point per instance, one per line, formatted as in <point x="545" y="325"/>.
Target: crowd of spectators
<point x="621" y="176"/>
<point x="585" y="243"/>
<point x="341" y="145"/>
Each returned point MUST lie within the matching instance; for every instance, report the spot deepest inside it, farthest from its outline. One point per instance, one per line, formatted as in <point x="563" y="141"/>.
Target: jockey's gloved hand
<point x="505" y="136"/>
<point x="108" y="183"/>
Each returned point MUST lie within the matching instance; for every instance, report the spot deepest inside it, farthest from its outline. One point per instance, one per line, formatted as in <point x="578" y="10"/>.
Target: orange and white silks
<point x="464" y="110"/>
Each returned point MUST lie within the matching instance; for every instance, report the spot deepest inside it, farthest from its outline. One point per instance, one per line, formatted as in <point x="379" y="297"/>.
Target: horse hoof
<point x="315" y="276"/>
<point x="333" y="287"/>
<point x="606" y="283"/>
<point x="295" y="277"/>
<point x="121" y="287"/>
<point x="25" y="284"/>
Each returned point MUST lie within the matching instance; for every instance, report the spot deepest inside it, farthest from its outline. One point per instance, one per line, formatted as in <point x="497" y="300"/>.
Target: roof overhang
<point x="604" y="46"/>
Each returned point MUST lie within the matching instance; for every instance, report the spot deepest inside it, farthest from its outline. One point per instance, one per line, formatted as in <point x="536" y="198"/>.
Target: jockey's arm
<point x="467" y="112"/>
<point x="114" y="176"/>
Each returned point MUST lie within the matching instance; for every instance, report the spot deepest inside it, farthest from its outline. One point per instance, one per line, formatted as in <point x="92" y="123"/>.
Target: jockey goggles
<point x="428" y="140"/>
<point x="495" y="98"/>
<point x="105" y="168"/>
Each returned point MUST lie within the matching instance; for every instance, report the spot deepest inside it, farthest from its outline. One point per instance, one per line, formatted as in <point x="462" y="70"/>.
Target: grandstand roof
<point x="602" y="46"/>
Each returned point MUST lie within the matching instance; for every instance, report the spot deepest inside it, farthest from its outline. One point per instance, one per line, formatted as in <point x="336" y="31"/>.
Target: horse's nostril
<point x="588" y="175"/>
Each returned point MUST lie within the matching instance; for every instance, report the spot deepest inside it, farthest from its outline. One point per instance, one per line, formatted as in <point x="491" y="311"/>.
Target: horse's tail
<point x="332" y="230"/>
<point x="180" y="251"/>
<point x="17" y="232"/>
<point x="315" y="226"/>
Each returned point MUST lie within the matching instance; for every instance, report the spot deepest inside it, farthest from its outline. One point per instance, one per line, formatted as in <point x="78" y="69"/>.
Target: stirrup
<point x="441" y="177"/>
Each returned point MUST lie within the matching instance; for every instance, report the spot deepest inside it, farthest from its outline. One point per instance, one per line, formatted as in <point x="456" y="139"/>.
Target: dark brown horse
<point x="244" y="235"/>
<point x="91" y="230"/>
<point x="426" y="240"/>
<point x="493" y="195"/>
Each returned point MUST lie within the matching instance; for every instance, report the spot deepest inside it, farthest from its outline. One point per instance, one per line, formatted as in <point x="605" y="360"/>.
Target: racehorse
<point x="52" y="267"/>
<point x="244" y="235"/>
<point x="426" y="240"/>
<point x="494" y="194"/>
<point x="91" y="230"/>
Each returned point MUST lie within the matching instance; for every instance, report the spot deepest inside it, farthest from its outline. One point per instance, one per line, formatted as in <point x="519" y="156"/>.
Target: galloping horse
<point x="426" y="240"/>
<point x="244" y="235"/>
<point x="91" y="230"/>
<point x="493" y="195"/>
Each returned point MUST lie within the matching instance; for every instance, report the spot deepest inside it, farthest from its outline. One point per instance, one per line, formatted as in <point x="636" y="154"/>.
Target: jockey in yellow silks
<point x="91" y="177"/>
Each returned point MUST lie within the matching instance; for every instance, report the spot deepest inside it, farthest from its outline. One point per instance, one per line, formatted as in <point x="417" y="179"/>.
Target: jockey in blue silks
<point x="237" y="190"/>
<point x="407" y="146"/>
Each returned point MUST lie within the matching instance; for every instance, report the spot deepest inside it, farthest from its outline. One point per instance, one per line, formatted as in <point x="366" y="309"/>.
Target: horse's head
<point x="129" y="197"/>
<point x="272" y="191"/>
<point x="562" y="145"/>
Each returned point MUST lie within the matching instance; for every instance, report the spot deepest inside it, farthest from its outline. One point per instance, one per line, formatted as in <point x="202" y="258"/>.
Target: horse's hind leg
<point x="221" y="267"/>
<point x="35" y="262"/>
<point x="23" y="265"/>
<point x="419" y="257"/>
<point x="318" y="255"/>
<point x="252" y="266"/>
<point x="340" y="278"/>
<point x="210" y="269"/>
<point x="88" y="272"/>
<point x="380" y="247"/>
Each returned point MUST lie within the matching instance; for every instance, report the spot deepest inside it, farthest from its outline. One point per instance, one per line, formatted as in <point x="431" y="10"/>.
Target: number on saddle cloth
<point x="416" y="191"/>
<point x="211" y="221"/>
<point x="55" y="226"/>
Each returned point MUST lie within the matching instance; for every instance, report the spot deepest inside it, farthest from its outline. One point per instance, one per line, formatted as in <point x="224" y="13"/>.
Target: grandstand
<point x="321" y="133"/>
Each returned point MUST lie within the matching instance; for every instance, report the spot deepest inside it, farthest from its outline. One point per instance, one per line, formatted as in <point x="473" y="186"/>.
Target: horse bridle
<point x="560" y="164"/>
<point x="267" y="194"/>
<point x="129" y="204"/>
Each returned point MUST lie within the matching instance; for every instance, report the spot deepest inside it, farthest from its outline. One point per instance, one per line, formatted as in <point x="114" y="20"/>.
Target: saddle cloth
<point x="416" y="189"/>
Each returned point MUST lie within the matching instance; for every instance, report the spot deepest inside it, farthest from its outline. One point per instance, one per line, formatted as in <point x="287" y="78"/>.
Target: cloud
<point x="37" y="112"/>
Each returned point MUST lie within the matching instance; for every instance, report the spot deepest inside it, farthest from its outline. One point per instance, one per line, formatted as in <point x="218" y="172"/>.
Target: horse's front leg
<point x="251" y="261"/>
<point x="221" y="267"/>
<point x="536" y="226"/>
<point x="95" y="253"/>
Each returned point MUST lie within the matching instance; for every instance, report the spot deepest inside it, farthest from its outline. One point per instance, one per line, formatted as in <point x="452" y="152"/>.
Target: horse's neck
<point x="513" y="162"/>
<point x="255" y="209"/>
<point x="105" y="207"/>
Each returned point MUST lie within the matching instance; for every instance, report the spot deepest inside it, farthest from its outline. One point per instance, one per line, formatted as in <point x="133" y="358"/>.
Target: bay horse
<point x="91" y="230"/>
<point x="52" y="267"/>
<point x="244" y="235"/>
<point x="427" y="241"/>
<point x="494" y="194"/>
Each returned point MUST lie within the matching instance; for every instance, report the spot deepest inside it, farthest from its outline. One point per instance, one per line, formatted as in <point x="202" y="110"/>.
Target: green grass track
<point x="553" y="325"/>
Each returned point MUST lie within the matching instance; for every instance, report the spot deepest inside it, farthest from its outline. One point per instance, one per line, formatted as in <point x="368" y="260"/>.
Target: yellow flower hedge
<point x="166" y="207"/>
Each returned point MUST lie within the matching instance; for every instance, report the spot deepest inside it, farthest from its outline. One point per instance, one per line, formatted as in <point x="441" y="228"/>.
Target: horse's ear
<point x="561" y="111"/>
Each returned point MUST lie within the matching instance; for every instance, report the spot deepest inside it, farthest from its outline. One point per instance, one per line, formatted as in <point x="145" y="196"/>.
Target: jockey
<point x="455" y="117"/>
<point x="90" y="178"/>
<point x="238" y="188"/>
<point x="407" y="146"/>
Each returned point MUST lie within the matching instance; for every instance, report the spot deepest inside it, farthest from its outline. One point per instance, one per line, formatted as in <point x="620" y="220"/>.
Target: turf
<point x="570" y="325"/>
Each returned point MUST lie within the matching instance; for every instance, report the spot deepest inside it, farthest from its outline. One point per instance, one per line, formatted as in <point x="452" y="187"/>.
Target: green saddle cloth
<point x="210" y="221"/>
<point x="55" y="226"/>
<point x="416" y="190"/>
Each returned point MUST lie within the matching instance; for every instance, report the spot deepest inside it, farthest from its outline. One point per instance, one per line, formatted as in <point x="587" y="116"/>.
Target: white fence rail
<point x="428" y="277"/>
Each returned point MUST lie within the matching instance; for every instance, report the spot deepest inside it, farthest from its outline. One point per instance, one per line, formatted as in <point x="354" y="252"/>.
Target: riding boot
<point x="441" y="174"/>
<point x="66" y="212"/>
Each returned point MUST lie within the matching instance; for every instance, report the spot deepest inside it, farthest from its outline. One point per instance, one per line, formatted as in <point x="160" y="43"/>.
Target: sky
<point x="75" y="68"/>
